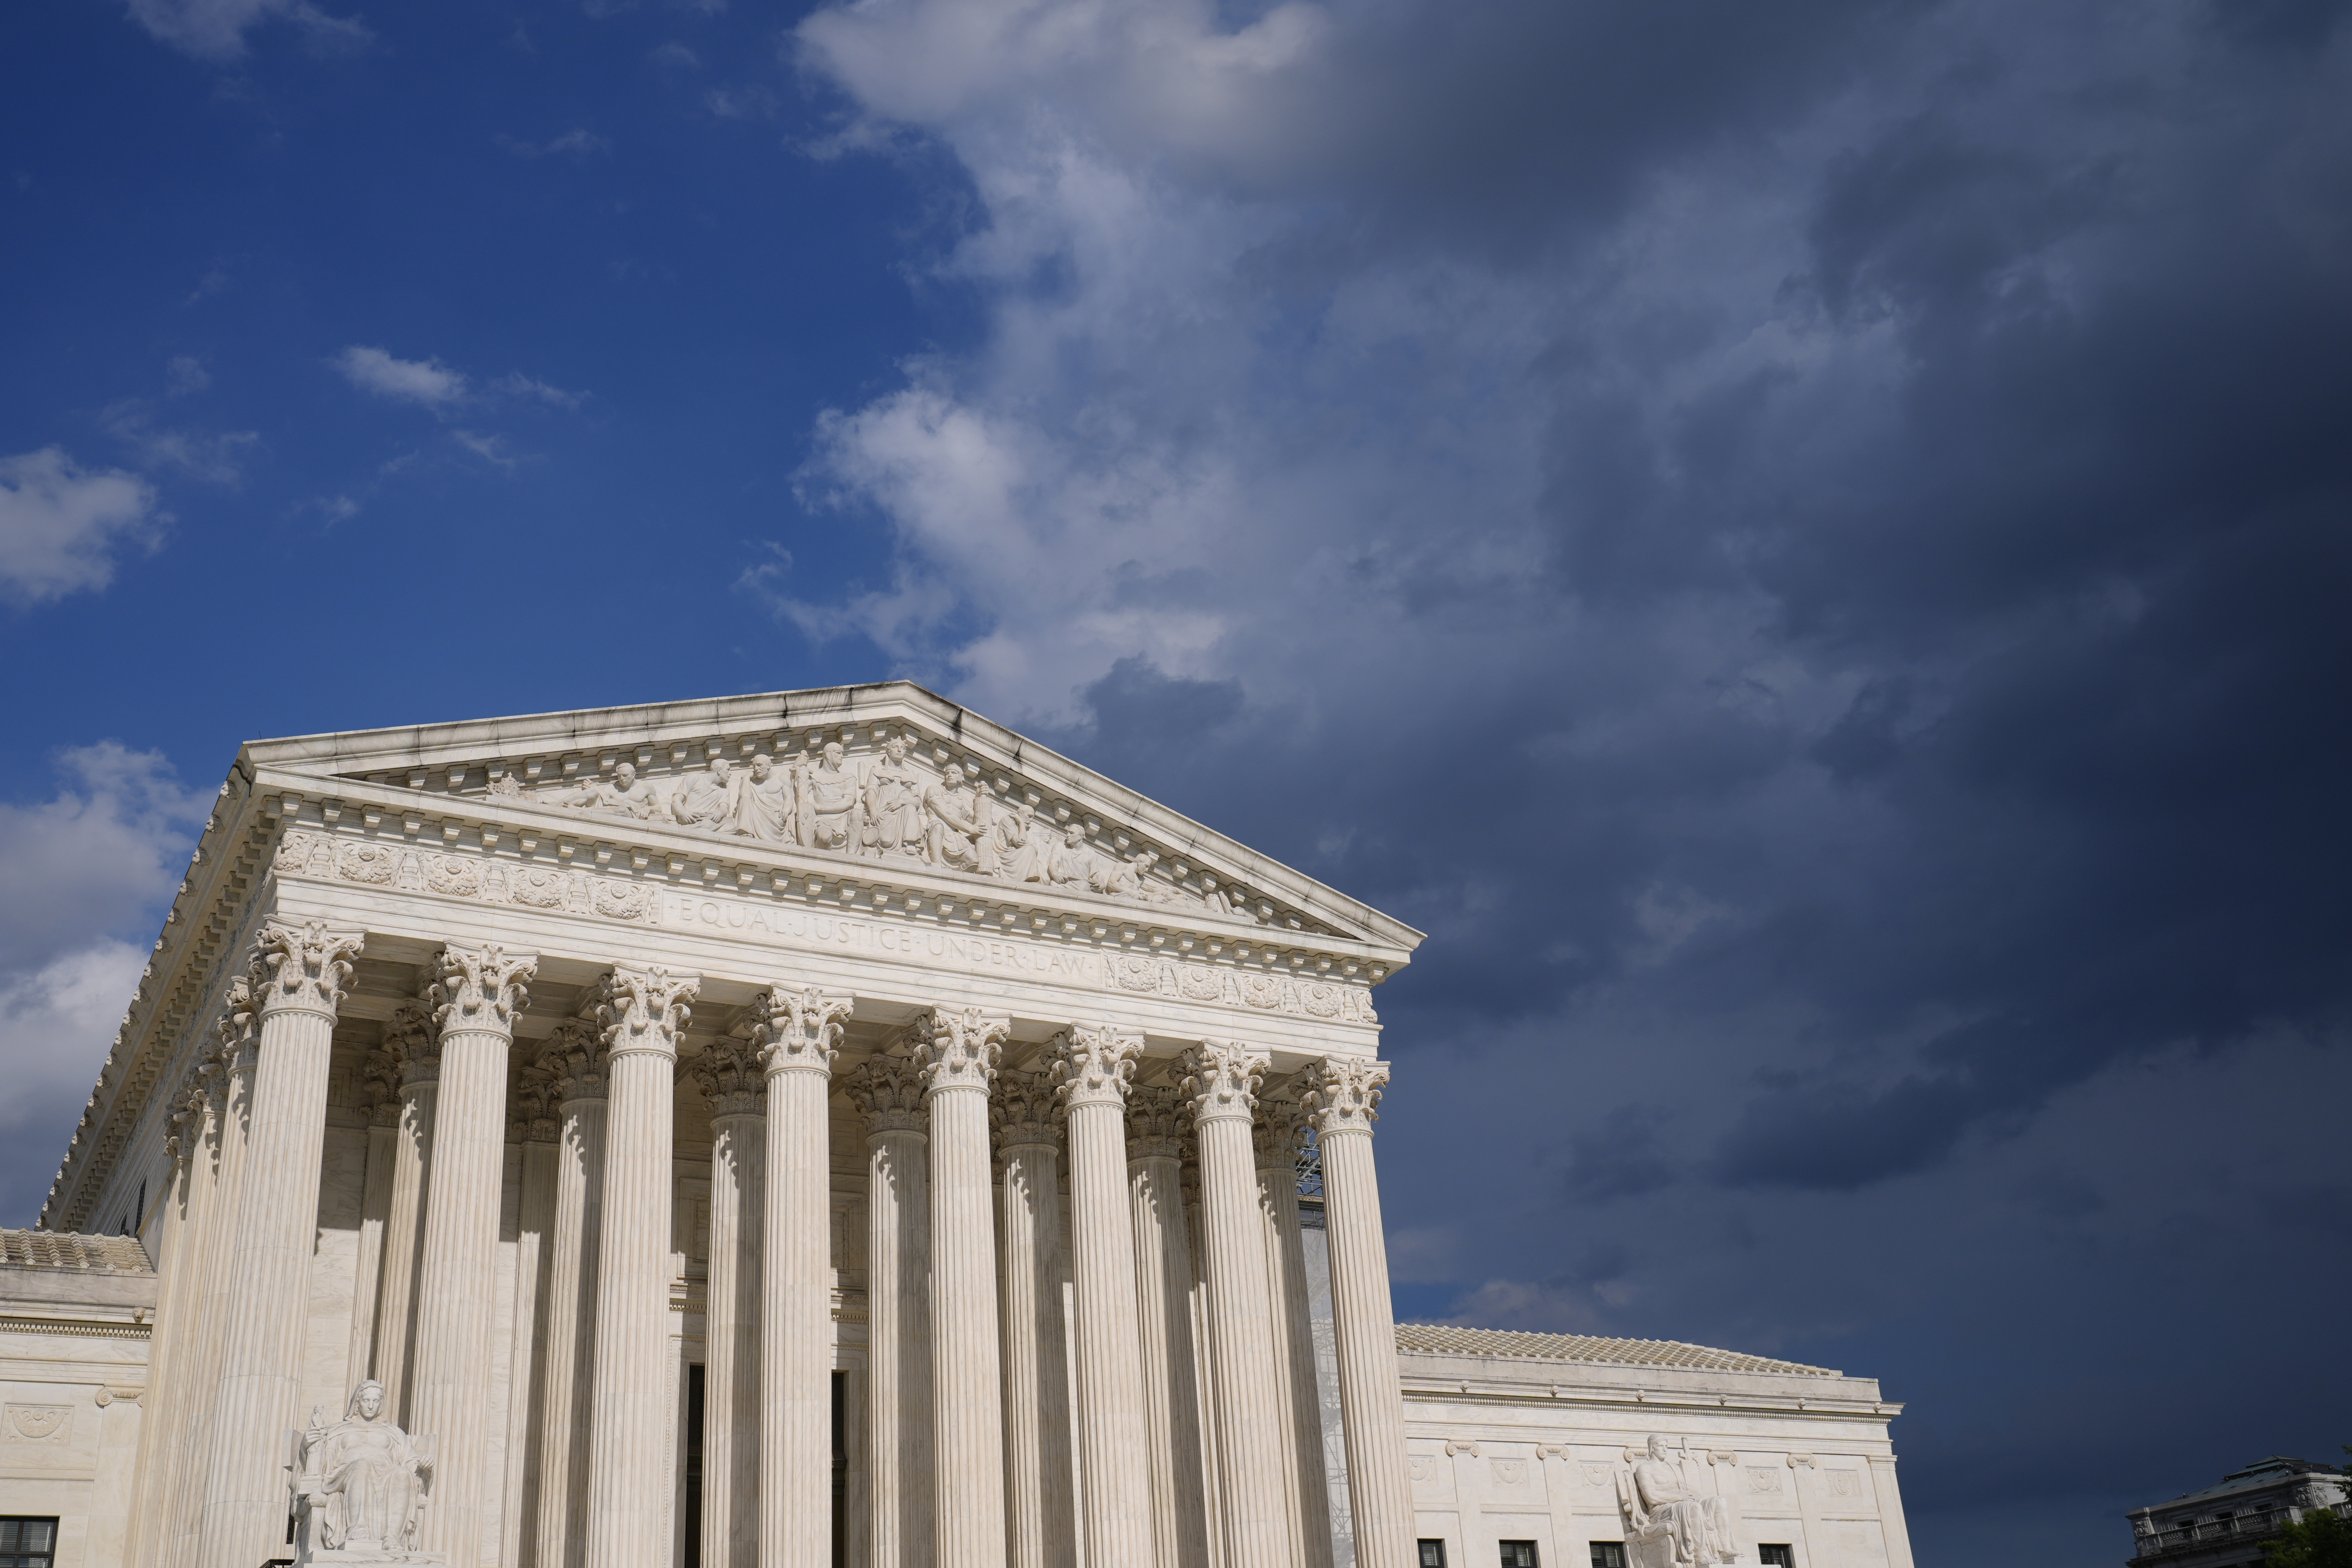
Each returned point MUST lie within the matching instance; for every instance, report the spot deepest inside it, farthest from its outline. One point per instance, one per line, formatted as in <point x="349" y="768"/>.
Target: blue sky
<point x="1806" y="545"/>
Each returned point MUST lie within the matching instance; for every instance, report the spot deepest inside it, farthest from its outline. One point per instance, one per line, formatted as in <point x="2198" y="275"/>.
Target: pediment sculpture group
<point x="890" y="808"/>
<point x="359" y="1485"/>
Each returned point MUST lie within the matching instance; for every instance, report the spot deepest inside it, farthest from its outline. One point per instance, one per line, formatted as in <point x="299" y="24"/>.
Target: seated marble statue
<point x="362" y="1483"/>
<point x="624" y="796"/>
<point x="760" y="805"/>
<point x="828" y="804"/>
<point x="704" y="799"/>
<point x="1669" y="1521"/>
<point x="956" y="820"/>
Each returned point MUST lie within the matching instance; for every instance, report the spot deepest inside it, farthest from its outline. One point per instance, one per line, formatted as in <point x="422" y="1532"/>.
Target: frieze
<point x="573" y="891"/>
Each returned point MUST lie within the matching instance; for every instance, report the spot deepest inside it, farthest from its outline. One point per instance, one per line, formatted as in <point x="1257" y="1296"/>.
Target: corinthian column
<point x="414" y="1047"/>
<point x="298" y="978"/>
<point x="574" y="1057"/>
<point x="1223" y="1083"/>
<point x="730" y="1079"/>
<point x="797" y="1033"/>
<point x="1163" y="1293"/>
<point x="1040" y="1527"/>
<point x="1343" y="1095"/>
<point x="475" y="995"/>
<point x="174" y="1313"/>
<point x="960" y="1052"/>
<point x="229" y="1105"/>
<point x="643" y="1012"/>
<point x="529" y="1121"/>
<point x="1307" y="1502"/>
<point x="889" y="1091"/>
<point x="1092" y="1064"/>
<point x="382" y="1076"/>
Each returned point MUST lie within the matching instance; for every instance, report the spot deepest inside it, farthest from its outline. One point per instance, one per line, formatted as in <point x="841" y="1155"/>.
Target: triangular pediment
<point x="875" y="781"/>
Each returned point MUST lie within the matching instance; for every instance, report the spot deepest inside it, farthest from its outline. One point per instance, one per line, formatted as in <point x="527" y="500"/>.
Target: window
<point x="1519" y="1553"/>
<point x="1608" y="1555"/>
<point x="28" y="1542"/>
<point x="1777" y="1556"/>
<point x="1433" y="1554"/>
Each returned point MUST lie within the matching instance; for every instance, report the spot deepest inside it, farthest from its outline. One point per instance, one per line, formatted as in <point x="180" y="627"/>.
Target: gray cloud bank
<point x="1808" y="546"/>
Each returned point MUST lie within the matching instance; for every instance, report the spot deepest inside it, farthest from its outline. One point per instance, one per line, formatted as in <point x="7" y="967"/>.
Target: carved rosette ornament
<point x="798" y="1031"/>
<point x="1221" y="1077"/>
<point x="959" y="1048"/>
<point x="1155" y="1124"/>
<point x="303" y="969"/>
<point x="889" y="1090"/>
<point x="576" y="1060"/>
<point x="643" y="1011"/>
<point x="730" y="1078"/>
<point x="415" y="1048"/>
<point x="1023" y="1111"/>
<point x="1093" y="1063"/>
<point x="478" y="990"/>
<point x="1343" y="1094"/>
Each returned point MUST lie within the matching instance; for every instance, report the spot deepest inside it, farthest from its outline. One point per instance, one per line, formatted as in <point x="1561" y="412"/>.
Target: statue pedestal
<point x="376" y="1557"/>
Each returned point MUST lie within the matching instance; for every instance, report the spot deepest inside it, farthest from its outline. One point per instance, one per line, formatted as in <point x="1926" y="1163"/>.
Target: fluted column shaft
<point x="1205" y="1362"/>
<point x="731" y="1378"/>
<point x="1224" y="1077"/>
<point x="475" y="995"/>
<point x="175" y="1309"/>
<point x="1163" y="1292"/>
<point x="376" y="1214"/>
<point x="643" y="1012"/>
<point x="797" y="1033"/>
<point x="960" y="1054"/>
<point x="1093" y="1065"/>
<point x="1308" y="1498"/>
<point x="1040" y="1522"/>
<point x="413" y="1043"/>
<point x="1371" y="1404"/>
<point x="576" y="1055"/>
<point x="526" y="1361"/>
<point x="897" y="1313"/>
<point x="299" y="979"/>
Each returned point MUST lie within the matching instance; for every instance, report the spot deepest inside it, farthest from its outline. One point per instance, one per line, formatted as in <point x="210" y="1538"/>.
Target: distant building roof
<point x="2272" y="1471"/>
<point x="79" y="1254"/>
<point x="1442" y="1339"/>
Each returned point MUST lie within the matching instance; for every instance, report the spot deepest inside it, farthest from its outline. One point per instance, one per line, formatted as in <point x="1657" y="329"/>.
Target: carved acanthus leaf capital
<point x="481" y="989"/>
<point x="646" y="1010"/>
<point x="730" y="1077"/>
<point x="889" y="1091"/>
<point x="798" y="1030"/>
<point x="1093" y="1064"/>
<point x="239" y="1026"/>
<point x="1155" y="1124"/>
<point x="576" y="1060"/>
<point x="380" y="1086"/>
<point x="304" y="969"/>
<point x="532" y="1104"/>
<point x="1025" y="1112"/>
<point x="1221" y="1077"/>
<point x="414" y="1046"/>
<point x="1280" y="1126"/>
<point x="1343" y="1094"/>
<point x="959" y="1048"/>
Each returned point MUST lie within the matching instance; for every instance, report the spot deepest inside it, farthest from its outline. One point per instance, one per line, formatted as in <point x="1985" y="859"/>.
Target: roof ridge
<point x="1596" y="1349"/>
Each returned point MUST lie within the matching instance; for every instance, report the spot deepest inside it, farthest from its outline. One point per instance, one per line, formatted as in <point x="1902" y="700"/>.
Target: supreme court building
<point x="805" y="1128"/>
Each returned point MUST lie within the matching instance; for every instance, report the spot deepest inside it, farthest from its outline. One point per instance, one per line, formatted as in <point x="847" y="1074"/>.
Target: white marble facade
<point x="915" y="1104"/>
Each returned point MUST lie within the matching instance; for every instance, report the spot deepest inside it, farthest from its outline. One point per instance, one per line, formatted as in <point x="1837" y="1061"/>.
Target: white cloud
<point x="187" y="374"/>
<point x="524" y="386"/>
<point x="427" y="381"/>
<point x="61" y="525"/>
<point x="215" y="30"/>
<point x="490" y="449"/>
<point x="217" y="458"/>
<point x="579" y="142"/>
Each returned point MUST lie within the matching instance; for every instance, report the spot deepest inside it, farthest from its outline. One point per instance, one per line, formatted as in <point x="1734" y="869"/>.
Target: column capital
<point x="414" y="1046"/>
<point x="730" y="1078"/>
<point x="1093" y="1063"/>
<point x="959" y="1047"/>
<point x="1155" y="1124"/>
<point x="798" y="1030"/>
<point x="238" y="1029"/>
<point x="1343" y="1094"/>
<point x="889" y="1091"/>
<point x="1279" y="1130"/>
<point x="1221" y="1077"/>
<point x="643" y="1011"/>
<point x="532" y="1100"/>
<point x="302" y="969"/>
<point x="576" y="1060"/>
<point x="478" y="990"/>
<point x="380" y="1086"/>
<point x="1023" y="1111"/>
